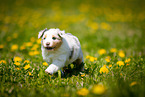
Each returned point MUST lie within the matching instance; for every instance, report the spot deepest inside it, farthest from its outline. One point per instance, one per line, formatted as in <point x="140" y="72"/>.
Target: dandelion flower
<point x="98" y="89"/>
<point x="36" y="52"/>
<point x="113" y="50"/>
<point x="121" y="54"/>
<point x="35" y="47"/>
<point x="1" y="46"/>
<point x="108" y="58"/>
<point x="17" y="59"/>
<point x="26" y="61"/>
<point x="87" y="57"/>
<point x="32" y="39"/>
<point x="3" y="61"/>
<point x="31" y="53"/>
<point x="82" y="75"/>
<point x="102" y="51"/>
<point x="28" y="44"/>
<point x="127" y="60"/>
<point x="45" y="63"/>
<point x="29" y="73"/>
<point x="92" y="59"/>
<point x="94" y="26"/>
<point x="27" y="67"/>
<point x="105" y="26"/>
<point x="17" y="63"/>
<point x="14" y="47"/>
<point x="110" y="65"/>
<point x="83" y="92"/>
<point x="39" y="41"/>
<point x="104" y="69"/>
<point x="120" y="63"/>
<point x="22" y="47"/>
<point x="133" y="83"/>
<point x="18" y="68"/>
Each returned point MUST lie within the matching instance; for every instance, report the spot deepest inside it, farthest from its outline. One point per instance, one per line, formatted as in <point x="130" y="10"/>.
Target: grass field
<point x="112" y="39"/>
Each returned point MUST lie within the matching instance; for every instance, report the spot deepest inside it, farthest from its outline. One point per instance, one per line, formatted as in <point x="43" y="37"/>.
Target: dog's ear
<point x="41" y="33"/>
<point x="61" y="33"/>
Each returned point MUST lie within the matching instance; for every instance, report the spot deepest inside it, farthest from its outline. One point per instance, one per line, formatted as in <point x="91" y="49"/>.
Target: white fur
<point x="60" y="57"/>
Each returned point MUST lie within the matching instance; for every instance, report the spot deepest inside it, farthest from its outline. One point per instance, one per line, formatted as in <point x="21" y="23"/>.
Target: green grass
<point x="99" y="24"/>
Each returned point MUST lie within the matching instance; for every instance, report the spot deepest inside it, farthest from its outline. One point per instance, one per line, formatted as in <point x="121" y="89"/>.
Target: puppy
<point x="60" y="49"/>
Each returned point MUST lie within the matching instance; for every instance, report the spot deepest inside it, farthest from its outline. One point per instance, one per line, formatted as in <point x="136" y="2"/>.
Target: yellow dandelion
<point x="36" y="52"/>
<point x="127" y="60"/>
<point x="108" y="58"/>
<point x="113" y="50"/>
<point x="98" y="89"/>
<point x="1" y="46"/>
<point x="35" y="47"/>
<point x="17" y="63"/>
<point x="127" y="64"/>
<point x="92" y="59"/>
<point x="83" y="92"/>
<point x="110" y="65"/>
<point x="105" y="26"/>
<point x="82" y="75"/>
<point x="28" y="44"/>
<point x="26" y="61"/>
<point x="102" y="51"/>
<point x="31" y="53"/>
<point x="14" y="47"/>
<point x="39" y="41"/>
<point x="3" y="61"/>
<point x="29" y="73"/>
<point x="104" y="69"/>
<point x="121" y="54"/>
<point x="27" y="67"/>
<point x="45" y="63"/>
<point x="120" y="63"/>
<point x="18" y="69"/>
<point x="22" y="47"/>
<point x="133" y="83"/>
<point x="94" y="26"/>
<point x="32" y="39"/>
<point x="87" y="57"/>
<point x="17" y="59"/>
<point x="121" y="74"/>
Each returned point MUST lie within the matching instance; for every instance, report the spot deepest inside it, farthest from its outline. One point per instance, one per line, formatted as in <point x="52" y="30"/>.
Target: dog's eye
<point x="44" y="38"/>
<point x="53" y="38"/>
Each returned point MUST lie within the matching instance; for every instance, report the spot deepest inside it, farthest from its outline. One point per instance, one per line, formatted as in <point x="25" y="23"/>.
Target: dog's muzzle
<point x="49" y="48"/>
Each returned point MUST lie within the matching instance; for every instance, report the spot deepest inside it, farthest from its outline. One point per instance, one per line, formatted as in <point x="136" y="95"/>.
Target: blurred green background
<point x="97" y="23"/>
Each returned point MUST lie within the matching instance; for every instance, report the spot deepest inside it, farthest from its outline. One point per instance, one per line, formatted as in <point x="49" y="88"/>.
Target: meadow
<point x="112" y="40"/>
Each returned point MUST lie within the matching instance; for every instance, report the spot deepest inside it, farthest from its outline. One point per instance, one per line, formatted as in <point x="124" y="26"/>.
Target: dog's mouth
<point x="49" y="48"/>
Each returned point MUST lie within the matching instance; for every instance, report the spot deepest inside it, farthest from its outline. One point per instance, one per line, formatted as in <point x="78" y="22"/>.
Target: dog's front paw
<point x="52" y="69"/>
<point x="49" y="71"/>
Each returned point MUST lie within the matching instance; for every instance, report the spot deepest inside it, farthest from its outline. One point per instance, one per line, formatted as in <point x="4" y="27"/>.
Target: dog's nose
<point x="48" y="43"/>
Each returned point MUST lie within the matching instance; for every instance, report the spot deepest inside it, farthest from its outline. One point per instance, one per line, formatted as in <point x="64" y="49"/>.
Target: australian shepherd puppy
<point x="60" y="49"/>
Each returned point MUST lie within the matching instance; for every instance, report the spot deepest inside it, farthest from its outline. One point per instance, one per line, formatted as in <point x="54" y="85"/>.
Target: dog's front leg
<point x="55" y="66"/>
